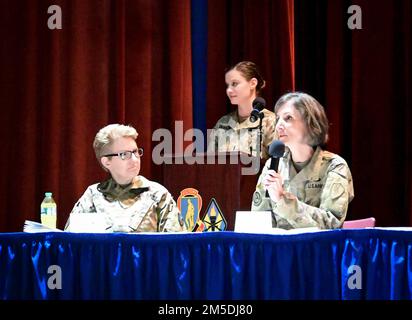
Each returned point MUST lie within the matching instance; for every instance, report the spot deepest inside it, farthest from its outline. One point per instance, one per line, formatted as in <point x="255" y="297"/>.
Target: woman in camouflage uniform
<point x="235" y="131"/>
<point x="312" y="187"/>
<point x="128" y="201"/>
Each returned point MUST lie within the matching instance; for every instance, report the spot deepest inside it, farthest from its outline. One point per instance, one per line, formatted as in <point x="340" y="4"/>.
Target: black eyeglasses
<point x="126" y="155"/>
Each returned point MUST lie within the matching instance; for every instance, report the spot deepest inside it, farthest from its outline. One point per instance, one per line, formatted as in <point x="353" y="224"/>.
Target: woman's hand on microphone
<point x="274" y="185"/>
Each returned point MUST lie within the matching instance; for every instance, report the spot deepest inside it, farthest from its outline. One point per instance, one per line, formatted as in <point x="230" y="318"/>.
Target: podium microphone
<point x="276" y="151"/>
<point x="258" y="105"/>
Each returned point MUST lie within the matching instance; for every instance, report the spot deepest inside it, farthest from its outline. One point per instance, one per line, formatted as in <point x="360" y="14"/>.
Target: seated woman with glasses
<point x="128" y="201"/>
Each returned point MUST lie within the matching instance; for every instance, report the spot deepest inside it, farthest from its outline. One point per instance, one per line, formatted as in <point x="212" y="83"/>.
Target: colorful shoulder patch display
<point x="214" y="219"/>
<point x="189" y="203"/>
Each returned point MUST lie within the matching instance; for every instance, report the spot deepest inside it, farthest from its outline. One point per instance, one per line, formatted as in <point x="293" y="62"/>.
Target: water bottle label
<point x="48" y="209"/>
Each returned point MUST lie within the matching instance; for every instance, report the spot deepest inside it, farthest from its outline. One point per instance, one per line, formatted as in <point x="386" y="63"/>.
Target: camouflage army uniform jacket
<point x="231" y="135"/>
<point x="317" y="196"/>
<point x="151" y="211"/>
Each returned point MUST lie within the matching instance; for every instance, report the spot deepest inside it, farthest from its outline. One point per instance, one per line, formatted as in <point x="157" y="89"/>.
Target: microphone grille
<point x="259" y="103"/>
<point x="276" y="149"/>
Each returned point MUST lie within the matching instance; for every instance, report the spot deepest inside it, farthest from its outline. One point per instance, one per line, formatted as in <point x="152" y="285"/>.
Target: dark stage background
<point x="150" y="63"/>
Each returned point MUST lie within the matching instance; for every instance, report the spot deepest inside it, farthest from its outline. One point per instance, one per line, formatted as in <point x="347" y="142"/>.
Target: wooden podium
<point x="216" y="176"/>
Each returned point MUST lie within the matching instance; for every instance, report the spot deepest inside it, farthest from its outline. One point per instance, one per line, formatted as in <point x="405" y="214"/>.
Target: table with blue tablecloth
<point x="334" y="264"/>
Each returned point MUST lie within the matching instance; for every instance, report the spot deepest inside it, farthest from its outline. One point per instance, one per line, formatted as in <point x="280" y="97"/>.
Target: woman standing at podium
<point x="128" y="201"/>
<point x="236" y="131"/>
<point x="311" y="186"/>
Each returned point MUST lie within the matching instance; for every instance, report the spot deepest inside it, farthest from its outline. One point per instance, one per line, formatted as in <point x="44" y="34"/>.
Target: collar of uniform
<point x="139" y="185"/>
<point x="312" y="168"/>
<point x="286" y="155"/>
<point x="140" y="182"/>
<point x="314" y="165"/>
<point x="245" y="124"/>
<point x="114" y="191"/>
<point x="233" y="122"/>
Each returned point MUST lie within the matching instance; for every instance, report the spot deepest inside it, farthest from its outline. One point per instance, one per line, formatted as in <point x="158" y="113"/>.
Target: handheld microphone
<point x="258" y="105"/>
<point x="276" y="151"/>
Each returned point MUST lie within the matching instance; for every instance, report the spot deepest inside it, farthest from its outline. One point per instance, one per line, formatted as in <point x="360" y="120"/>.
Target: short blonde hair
<point x="105" y="137"/>
<point x="313" y="115"/>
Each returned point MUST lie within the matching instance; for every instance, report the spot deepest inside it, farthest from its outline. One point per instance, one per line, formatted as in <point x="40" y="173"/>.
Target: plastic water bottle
<point x="48" y="211"/>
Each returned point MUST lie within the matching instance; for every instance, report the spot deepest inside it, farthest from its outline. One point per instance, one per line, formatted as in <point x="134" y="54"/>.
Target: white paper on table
<point x="253" y="221"/>
<point x="87" y="222"/>
<point x="261" y="222"/>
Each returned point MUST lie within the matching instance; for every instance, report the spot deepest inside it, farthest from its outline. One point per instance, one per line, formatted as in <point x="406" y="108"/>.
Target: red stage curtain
<point x="363" y="78"/>
<point x="257" y="30"/>
<point x="113" y="61"/>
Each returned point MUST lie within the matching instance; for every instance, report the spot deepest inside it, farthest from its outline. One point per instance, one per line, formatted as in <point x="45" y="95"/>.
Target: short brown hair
<point x="249" y="70"/>
<point x="312" y="113"/>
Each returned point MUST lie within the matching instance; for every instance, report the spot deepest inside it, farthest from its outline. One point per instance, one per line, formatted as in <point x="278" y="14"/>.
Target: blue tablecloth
<point x="338" y="264"/>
